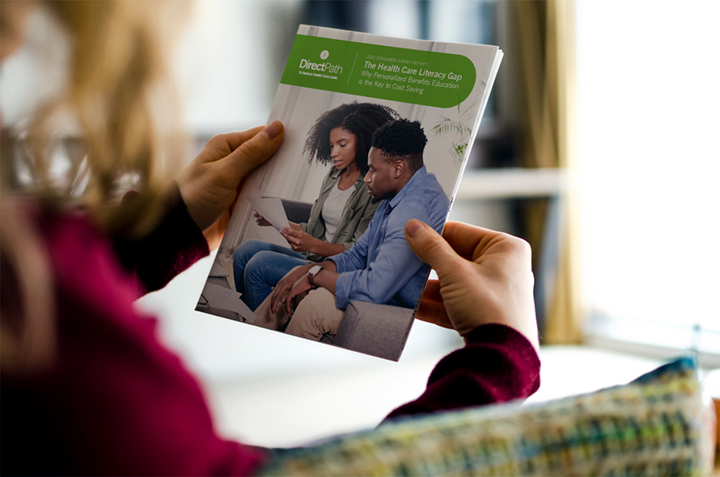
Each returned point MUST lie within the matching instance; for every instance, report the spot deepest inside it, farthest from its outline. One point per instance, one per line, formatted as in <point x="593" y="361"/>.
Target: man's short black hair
<point x="401" y="139"/>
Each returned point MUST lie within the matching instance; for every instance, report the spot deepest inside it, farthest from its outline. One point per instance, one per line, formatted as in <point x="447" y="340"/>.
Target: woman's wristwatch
<point x="311" y="275"/>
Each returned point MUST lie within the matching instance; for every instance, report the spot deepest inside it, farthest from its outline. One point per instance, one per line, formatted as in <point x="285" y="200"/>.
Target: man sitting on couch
<point x="380" y="267"/>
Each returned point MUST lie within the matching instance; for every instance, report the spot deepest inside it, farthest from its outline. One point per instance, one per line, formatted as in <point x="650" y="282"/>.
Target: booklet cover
<point x="378" y="131"/>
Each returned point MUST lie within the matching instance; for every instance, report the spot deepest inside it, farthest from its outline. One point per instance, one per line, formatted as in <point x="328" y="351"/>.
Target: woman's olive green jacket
<point x="358" y="211"/>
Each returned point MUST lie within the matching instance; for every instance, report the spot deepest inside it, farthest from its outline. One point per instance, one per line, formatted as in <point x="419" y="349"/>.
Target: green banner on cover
<point x="428" y="78"/>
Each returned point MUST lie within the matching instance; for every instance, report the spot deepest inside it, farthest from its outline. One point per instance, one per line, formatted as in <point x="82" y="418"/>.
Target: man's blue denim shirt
<point x="381" y="267"/>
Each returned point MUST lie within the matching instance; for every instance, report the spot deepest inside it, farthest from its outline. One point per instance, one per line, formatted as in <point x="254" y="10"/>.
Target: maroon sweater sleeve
<point x="115" y="401"/>
<point x="497" y="364"/>
<point x="174" y="245"/>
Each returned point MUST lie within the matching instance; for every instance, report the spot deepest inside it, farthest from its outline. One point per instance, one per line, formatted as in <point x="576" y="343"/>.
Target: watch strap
<point x="311" y="275"/>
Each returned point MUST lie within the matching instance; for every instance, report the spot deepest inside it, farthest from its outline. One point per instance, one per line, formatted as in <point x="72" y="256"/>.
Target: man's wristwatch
<point x="311" y="275"/>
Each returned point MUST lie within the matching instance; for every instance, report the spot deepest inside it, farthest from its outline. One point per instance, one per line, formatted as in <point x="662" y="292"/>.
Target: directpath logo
<point x="324" y="67"/>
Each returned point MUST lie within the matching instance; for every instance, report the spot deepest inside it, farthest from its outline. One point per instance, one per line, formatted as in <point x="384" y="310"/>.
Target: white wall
<point x="230" y="60"/>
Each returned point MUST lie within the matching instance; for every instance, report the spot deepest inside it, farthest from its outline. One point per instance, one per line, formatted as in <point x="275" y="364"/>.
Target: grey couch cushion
<point x="297" y="212"/>
<point x="378" y="330"/>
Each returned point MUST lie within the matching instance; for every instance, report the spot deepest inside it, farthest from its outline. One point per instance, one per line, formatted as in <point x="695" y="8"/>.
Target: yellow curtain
<point x="545" y="41"/>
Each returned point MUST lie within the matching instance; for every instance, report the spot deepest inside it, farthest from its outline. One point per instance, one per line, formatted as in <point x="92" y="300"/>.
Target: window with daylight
<point x="648" y="169"/>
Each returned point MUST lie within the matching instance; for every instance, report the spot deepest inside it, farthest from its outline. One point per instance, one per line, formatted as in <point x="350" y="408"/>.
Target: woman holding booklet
<point x="340" y="214"/>
<point x="87" y="386"/>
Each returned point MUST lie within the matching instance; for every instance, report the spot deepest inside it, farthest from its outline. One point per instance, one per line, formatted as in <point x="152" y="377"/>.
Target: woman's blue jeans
<point x="258" y="266"/>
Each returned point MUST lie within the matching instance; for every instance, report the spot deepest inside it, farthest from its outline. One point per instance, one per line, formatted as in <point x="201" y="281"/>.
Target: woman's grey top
<point x="358" y="211"/>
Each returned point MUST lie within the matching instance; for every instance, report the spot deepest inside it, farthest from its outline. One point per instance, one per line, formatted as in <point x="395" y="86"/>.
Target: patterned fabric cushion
<point x="650" y="426"/>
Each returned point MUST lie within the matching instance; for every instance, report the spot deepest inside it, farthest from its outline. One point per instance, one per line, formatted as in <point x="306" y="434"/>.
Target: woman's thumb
<point x="257" y="149"/>
<point x="430" y="247"/>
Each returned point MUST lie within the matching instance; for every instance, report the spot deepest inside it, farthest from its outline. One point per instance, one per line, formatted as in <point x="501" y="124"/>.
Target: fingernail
<point x="413" y="226"/>
<point x="273" y="129"/>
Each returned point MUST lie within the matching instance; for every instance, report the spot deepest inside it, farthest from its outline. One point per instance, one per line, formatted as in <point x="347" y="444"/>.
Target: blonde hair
<point x="116" y="93"/>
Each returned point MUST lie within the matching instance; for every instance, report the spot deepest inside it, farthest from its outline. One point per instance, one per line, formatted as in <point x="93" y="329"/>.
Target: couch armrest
<point x="378" y="330"/>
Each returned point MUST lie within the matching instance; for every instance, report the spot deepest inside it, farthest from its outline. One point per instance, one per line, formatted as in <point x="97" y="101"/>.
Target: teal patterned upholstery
<point x="650" y="426"/>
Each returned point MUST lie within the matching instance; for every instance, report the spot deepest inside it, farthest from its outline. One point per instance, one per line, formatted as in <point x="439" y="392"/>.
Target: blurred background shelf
<point x="509" y="183"/>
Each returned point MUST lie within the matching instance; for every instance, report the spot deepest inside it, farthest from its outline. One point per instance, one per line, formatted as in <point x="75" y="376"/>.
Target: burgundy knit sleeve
<point x="497" y="364"/>
<point x="174" y="245"/>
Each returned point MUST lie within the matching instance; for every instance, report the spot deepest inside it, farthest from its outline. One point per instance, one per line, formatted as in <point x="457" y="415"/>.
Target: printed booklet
<point x="377" y="132"/>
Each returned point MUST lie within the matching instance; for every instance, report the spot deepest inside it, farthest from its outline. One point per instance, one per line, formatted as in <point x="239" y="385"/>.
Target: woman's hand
<point x="209" y="184"/>
<point x="294" y="226"/>
<point x="260" y="220"/>
<point x="299" y="241"/>
<point x="483" y="277"/>
<point x="286" y="283"/>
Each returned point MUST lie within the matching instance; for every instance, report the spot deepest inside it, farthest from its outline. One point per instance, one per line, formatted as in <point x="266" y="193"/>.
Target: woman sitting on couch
<point x="340" y="214"/>
<point x="87" y="386"/>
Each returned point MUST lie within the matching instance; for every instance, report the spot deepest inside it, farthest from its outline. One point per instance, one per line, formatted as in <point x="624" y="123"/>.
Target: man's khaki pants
<point x="315" y="315"/>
